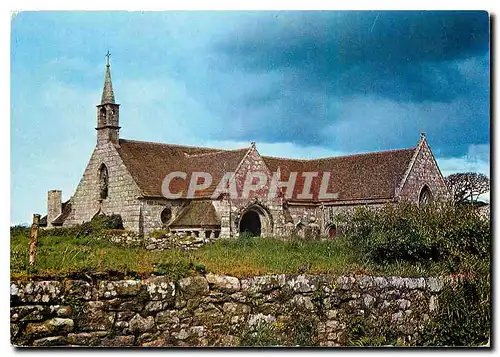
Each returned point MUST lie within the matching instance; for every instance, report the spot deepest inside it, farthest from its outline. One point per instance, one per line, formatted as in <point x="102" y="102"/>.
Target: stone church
<point x="125" y="177"/>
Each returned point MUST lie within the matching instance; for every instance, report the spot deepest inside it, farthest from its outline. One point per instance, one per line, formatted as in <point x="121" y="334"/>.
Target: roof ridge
<point x="175" y="145"/>
<point x="341" y="156"/>
<point x="216" y="152"/>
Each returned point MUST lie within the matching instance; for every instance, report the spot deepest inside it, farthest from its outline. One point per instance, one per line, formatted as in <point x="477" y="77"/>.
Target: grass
<point x="58" y="256"/>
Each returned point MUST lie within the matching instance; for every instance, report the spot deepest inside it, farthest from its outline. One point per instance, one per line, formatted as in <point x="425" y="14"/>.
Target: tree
<point x="467" y="186"/>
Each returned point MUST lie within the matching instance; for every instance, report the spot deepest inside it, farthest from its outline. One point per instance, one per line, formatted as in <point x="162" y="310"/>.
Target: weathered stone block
<point x="160" y="288"/>
<point x="345" y="282"/>
<point x="226" y="284"/>
<point x="263" y="284"/>
<point x="49" y="327"/>
<point x="435" y="285"/>
<point x="365" y="282"/>
<point x="141" y="324"/>
<point x="232" y="308"/>
<point x="95" y="318"/>
<point x="193" y="286"/>
<point x="112" y="289"/>
<point x="50" y="341"/>
<point x="86" y="338"/>
<point x="37" y="291"/>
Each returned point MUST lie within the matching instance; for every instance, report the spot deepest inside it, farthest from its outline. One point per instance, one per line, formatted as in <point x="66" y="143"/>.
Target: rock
<point x="303" y="283"/>
<point x="37" y="291"/>
<point x="232" y="308"/>
<point x="87" y="338"/>
<point x="50" y="341"/>
<point x="94" y="318"/>
<point x="332" y="324"/>
<point x="82" y="289"/>
<point x="435" y="285"/>
<point x="160" y="288"/>
<point x="160" y="342"/>
<point x="345" y="282"/>
<point x="226" y="284"/>
<point x="263" y="284"/>
<point x="368" y="300"/>
<point x="118" y="341"/>
<point x="62" y="311"/>
<point x="260" y="319"/>
<point x="14" y="330"/>
<point x="153" y="306"/>
<point x="365" y="282"/>
<point x="397" y="317"/>
<point x="167" y="319"/>
<point x="194" y="286"/>
<point x="303" y="302"/>
<point x="147" y="337"/>
<point x="380" y="282"/>
<point x="433" y="303"/>
<point x="396" y="282"/>
<point x="122" y="288"/>
<point x="403" y="304"/>
<point x="49" y="327"/>
<point x="229" y="341"/>
<point x="140" y="324"/>
<point x="415" y="283"/>
<point x="331" y="314"/>
<point x="28" y="313"/>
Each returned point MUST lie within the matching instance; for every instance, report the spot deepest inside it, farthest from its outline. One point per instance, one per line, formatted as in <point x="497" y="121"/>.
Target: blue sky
<point x="300" y="84"/>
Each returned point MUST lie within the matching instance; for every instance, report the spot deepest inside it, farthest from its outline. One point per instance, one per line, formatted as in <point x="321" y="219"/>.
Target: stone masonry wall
<point x="215" y="310"/>
<point x="424" y="172"/>
<point x="122" y="191"/>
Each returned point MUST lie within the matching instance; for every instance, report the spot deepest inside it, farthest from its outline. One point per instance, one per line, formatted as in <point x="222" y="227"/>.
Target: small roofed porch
<point x="198" y="220"/>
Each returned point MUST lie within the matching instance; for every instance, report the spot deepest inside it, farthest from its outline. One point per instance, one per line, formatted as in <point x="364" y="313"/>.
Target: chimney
<point x="54" y="206"/>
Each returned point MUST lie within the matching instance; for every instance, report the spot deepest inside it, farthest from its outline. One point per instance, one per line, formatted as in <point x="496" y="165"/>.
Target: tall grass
<point x="237" y="257"/>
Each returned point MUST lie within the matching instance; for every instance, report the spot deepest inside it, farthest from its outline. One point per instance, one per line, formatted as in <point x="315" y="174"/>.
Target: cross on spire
<point x="107" y="58"/>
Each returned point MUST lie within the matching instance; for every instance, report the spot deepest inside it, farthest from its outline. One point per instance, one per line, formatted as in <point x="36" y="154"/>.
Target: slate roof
<point x="354" y="177"/>
<point x="149" y="163"/>
<point x="197" y="213"/>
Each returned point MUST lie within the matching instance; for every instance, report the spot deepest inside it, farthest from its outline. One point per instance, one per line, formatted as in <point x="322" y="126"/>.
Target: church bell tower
<point x="108" y="112"/>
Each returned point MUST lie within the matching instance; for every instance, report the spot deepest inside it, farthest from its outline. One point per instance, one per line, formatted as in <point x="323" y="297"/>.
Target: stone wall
<point x="424" y="172"/>
<point x="122" y="191"/>
<point x="216" y="310"/>
<point x="154" y="242"/>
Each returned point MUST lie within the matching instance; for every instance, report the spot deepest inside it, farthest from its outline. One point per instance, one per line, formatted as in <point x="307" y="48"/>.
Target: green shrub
<point x="19" y="230"/>
<point x="96" y="225"/>
<point x="407" y="232"/>
<point x="159" y="233"/>
<point x="464" y="316"/>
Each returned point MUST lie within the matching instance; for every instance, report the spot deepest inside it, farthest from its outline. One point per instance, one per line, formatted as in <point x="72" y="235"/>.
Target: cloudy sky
<point x="300" y="84"/>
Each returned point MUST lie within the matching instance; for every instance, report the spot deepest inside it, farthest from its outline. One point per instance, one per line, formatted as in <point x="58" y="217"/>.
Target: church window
<point x="102" y="114"/>
<point x="425" y="196"/>
<point x="166" y="215"/>
<point x="103" y="182"/>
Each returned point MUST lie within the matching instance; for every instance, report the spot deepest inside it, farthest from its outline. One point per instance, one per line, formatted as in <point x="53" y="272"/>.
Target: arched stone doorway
<point x="250" y="223"/>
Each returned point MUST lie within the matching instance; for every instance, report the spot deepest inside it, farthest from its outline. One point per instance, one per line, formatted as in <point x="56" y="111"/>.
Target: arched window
<point x="332" y="231"/>
<point x="103" y="181"/>
<point x="425" y="196"/>
<point x="102" y="115"/>
<point x="166" y="215"/>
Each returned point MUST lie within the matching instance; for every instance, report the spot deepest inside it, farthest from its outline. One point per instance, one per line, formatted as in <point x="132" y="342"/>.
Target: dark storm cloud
<point x="400" y="55"/>
<point x="398" y="61"/>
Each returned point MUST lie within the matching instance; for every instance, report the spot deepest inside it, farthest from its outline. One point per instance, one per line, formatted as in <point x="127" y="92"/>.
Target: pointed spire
<point x="107" y="93"/>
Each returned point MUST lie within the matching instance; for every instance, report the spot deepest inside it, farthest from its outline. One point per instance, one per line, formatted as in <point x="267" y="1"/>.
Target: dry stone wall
<point x="216" y="310"/>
